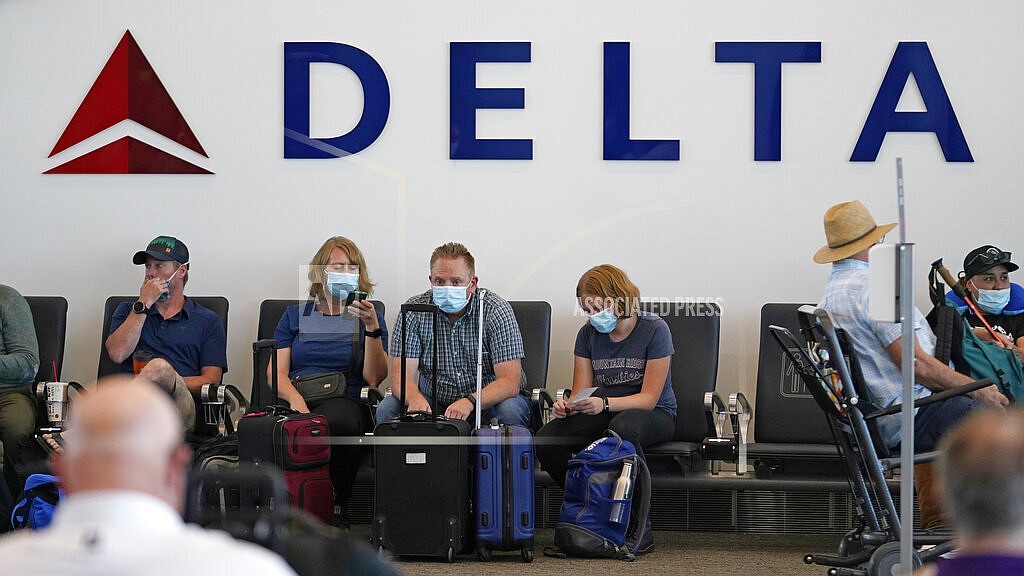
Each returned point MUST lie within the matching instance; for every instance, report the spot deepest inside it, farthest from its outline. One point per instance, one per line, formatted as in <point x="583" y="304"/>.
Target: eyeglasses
<point x="991" y="256"/>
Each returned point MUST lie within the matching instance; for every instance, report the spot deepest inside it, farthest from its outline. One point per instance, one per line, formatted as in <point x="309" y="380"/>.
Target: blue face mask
<point x="339" y="284"/>
<point x="167" y="295"/>
<point x="993" y="301"/>
<point x="450" y="299"/>
<point x="604" y="321"/>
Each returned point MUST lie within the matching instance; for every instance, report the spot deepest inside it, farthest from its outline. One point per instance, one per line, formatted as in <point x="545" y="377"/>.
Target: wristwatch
<point x="607" y="408"/>
<point x="374" y="333"/>
<point x="139" y="307"/>
<point x="471" y="400"/>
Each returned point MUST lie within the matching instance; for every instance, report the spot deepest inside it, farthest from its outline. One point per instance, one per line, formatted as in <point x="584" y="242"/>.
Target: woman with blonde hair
<point x="625" y="354"/>
<point x="331" y="333"/>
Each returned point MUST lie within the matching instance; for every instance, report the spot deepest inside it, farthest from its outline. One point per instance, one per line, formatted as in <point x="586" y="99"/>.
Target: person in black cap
<point x="987" y="276"/>
<point x="175" y="342"/>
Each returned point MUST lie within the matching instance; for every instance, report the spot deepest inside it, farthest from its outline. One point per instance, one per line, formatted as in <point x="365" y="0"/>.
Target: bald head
<point x="982" y="465"/>
<point x="125" y="435"/>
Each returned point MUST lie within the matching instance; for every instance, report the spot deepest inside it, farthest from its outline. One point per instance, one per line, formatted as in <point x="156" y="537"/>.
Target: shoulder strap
<point x="355" y="366"/>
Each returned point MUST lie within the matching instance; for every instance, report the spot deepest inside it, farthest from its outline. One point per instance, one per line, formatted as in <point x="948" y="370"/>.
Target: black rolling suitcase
<point x="422" y="474"/>
<point x="296" y="443"/>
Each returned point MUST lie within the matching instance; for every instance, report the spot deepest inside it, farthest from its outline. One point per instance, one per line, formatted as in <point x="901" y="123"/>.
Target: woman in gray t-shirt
<point x="625" y="355"/>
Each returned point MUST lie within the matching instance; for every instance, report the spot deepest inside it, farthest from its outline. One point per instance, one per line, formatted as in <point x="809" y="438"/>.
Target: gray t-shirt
<point x="619" y="367"/>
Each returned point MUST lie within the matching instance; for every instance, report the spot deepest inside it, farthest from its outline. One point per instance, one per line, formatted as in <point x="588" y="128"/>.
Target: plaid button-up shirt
<point x="457" y="347"/>
<point x="846" y="301"/>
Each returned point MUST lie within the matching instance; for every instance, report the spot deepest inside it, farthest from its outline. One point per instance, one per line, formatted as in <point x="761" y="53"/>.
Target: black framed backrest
<point x="534" y="319"/>
<point x="50" y="319"/>
<point x="696" y="328"/>
<point x="271" y="311"/>
<point x="785" y="409"/>
<point x="216" y="304"/>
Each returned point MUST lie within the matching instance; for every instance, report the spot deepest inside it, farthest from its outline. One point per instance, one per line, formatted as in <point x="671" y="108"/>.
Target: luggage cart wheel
<point x="527" y="554"/>
<point x="483" y="553"/>
<point x="885" y="560"/>
<point x="451" y="554"/>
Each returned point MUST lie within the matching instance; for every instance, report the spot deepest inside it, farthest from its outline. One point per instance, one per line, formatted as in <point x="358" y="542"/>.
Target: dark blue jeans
<point x="933" y="421"/>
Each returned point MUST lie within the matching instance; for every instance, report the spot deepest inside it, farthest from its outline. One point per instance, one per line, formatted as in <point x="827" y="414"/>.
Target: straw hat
<point x="849" y="228"/>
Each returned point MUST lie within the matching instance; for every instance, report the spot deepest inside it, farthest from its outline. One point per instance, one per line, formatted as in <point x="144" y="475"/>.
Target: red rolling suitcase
<point x="503" y="495"/>
<point x="296" y="443"/>
<point x="422" y="475"/>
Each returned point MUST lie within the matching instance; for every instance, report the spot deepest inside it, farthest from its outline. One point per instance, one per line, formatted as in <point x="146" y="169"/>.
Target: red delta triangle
<point x="127" y="88"/>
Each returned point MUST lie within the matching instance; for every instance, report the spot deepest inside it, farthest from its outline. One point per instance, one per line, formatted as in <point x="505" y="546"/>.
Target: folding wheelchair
<point x="832" y="375"/>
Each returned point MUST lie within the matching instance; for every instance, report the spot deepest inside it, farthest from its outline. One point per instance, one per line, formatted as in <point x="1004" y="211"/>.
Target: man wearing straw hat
<point x="851" y="231"/>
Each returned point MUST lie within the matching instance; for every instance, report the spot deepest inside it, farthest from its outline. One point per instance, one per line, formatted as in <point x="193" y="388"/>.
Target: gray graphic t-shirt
<point x="619" y="367"/>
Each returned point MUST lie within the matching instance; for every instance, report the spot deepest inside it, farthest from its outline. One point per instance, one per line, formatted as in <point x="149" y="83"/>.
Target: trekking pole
<point x="960" y="291"/>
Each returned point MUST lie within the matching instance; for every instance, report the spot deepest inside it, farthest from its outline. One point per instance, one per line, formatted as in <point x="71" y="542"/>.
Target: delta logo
<point x="128" y="98"/>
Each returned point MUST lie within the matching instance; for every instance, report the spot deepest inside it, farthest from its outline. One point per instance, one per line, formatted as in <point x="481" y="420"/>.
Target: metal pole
<point x="905" y="294"/>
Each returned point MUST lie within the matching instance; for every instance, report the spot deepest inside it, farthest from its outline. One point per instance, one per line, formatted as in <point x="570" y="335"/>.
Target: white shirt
<point x="114" y="533"/>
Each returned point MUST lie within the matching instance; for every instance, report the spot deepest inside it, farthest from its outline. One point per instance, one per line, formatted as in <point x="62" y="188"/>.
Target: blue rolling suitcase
<point x="503" y="465"/>
<point x="504" y="490"/>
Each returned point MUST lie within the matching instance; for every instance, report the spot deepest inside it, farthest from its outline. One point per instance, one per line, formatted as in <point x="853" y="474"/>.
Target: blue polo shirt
<point x="189" y="340"/>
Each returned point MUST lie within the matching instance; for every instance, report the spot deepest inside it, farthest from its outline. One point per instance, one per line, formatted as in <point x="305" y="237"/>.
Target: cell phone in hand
<point x="582" y="395"/>
<point x="354" y="296"/>
<point x="46" y="445"/>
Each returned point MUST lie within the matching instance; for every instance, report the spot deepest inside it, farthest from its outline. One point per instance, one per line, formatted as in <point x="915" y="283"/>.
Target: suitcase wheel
<point x="527" y="554"/>
<point x="451" y="554"/>
<point x="483" y="553"/>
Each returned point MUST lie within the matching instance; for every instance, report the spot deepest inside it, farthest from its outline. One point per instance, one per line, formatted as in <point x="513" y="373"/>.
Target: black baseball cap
<point x="163" y="248"/>
<point x="983" y="258"/>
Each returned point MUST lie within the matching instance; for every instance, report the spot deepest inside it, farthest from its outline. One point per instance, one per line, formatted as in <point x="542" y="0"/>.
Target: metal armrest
<point x="542" y="402"/>
<point x="933" y="398"/>
<point x="717" y="446"/>
<point x="371" y="396"/>
<point x="563" y="394"/>
<point x="740" y="414"/>
<point x="715" y="414"/>
<point x="542" y="396"/>
<point x="222" y="406"/>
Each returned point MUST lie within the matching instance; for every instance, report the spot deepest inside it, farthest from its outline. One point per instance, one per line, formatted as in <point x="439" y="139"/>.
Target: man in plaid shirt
<point x="454" y="290"/>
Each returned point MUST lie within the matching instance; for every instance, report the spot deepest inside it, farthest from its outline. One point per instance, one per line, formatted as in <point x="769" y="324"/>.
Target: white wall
<point x="715" y="224"/>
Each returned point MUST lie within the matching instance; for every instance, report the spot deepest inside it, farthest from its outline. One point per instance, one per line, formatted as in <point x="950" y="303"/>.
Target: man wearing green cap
<point x="184" y="342"/>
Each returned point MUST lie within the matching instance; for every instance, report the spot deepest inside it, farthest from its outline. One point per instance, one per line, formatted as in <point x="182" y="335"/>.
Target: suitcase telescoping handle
<point x="479" y="356"/>
<point x="258" y="347"/>
<point x="434" y="311"/>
